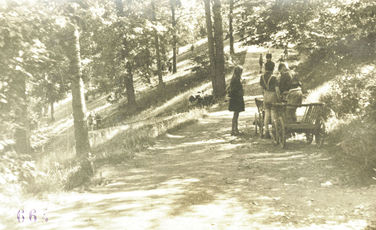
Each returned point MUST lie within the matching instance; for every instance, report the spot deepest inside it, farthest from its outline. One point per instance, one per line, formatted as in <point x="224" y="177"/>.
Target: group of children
<point x="284" y="88"/>
<point x="94" y="121"/>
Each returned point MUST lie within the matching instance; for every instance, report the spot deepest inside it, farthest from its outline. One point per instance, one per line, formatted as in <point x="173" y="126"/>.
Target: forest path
<point x="201" y="177"/>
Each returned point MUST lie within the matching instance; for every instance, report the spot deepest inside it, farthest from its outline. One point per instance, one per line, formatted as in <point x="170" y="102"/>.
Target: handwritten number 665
<point x="32" y="216"/>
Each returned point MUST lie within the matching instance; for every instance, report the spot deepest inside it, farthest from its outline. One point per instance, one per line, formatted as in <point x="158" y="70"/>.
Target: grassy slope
<point x="119" y="143"/>
<point x="178" y="87"/>
<point x="158" y="113"/>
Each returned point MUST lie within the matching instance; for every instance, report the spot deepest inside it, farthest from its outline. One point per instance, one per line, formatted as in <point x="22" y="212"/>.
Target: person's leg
<point x="274" y="118"/>
<point x="273" y="115"/>
<point x="235" y="123"/>
<point x="267" y="121"/>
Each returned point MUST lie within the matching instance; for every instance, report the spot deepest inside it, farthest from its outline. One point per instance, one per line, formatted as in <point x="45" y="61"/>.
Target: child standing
<point x="236" y="94"/>
<point x="261" y="62"/>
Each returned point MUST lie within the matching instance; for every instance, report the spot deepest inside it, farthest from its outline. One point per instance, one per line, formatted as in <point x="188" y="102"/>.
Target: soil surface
<point x="201" y="177"/>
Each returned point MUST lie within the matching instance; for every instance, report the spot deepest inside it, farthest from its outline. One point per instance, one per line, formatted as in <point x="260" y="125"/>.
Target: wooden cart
<point x="311" y="123"/>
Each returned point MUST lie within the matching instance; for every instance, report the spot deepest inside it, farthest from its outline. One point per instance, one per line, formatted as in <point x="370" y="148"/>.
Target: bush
<point x="201" y="64"/>
<point x="353" y="94"/>
<point x="17" y="172"/>
<point x="79" y="174"/>
<point x="356" y="139"/>
<point x="353" y="100"/>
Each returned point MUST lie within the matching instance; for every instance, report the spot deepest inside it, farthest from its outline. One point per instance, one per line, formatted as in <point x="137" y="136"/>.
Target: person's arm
<point x="283" y="83"/>
<point x="289" y="82"/>
<point x="277" y="88"/>
<point x="237" y="89"/>
<point x="278" y="93"/>
<point x="241" y="90"/>
<point x="261" y="82"/>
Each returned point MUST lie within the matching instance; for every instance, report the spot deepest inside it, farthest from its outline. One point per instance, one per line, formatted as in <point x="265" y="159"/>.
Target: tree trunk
<point x="78" y="98"/>
<point x="219" y="53"/>
<point x="209" y="31"/>
<point x="157" y="47"/>
<point x="130" y="87"/>
<point x="128" y="79"/>
<point x="231" y="30"/>
<point x="174" y="37"/>
<point x="22" y="131"/>
<point x="52" y="111"/>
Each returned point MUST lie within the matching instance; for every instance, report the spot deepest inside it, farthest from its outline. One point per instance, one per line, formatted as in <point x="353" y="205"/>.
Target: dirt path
<point x="200" y="177"/>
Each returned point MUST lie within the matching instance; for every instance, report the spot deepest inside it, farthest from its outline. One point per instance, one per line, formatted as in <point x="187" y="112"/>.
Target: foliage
<point x="352" y="99"/>
<point x="17" y="172"/>
<point x="355" y="140"/>
<point x="310" y="25"/>
<point x="79" y="174"/>
<point x="201" y="64"/>
<point x="23" y="56"/>
<point x="349" y="96"/>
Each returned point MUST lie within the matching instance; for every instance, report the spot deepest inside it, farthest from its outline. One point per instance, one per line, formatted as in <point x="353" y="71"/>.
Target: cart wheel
<point x="320" y="133"/>
<point x="275" y="132"/>
<point x="309" y="138"/>
<point x="281" y="132"/>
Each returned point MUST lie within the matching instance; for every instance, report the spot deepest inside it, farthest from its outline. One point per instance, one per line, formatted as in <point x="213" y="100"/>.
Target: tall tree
<point x="72" y="47"/>
<point x="21" y="53"/>
<point x="219" y="52"/>
<point x="230" y="25"/>
<point x="128" y="76"/>
<point x="51" y="91"/>
<point x="78" y="97"/>
<point x="173" y="5"/>
<point x="22" y="131"/>
<point x="209" y="32"/>
<point x="157" y="45"/>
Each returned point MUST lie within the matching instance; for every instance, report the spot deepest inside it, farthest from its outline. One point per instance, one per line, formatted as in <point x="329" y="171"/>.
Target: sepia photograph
<point x="188" y="114"/>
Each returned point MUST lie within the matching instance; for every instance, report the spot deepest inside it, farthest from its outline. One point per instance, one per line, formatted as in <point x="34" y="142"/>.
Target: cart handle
<point x="298" y="105"/>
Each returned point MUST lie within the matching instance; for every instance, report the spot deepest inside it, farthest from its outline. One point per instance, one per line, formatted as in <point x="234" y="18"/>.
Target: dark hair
<point x="235" y="80"/>
<point x="269" y="56"/>
<point x="282" y="64"/>
<point x="236" y="75"/>
<point x="237" y="72"/>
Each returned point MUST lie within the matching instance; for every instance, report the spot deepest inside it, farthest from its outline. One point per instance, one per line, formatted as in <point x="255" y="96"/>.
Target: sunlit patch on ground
<point x="174" y="136"/>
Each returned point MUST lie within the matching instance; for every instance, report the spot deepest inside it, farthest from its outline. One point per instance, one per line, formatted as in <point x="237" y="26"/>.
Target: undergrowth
<point x="351" y="110"/>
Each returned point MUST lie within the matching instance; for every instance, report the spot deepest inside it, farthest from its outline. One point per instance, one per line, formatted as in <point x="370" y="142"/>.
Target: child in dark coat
<point x="236" y="98"/>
